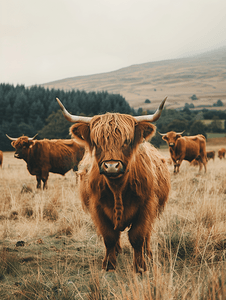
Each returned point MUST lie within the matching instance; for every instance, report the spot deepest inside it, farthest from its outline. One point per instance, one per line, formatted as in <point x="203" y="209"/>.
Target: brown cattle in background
<point x="195" y="163"/>
<point x="1" y="158"/>
<point x="221" y="153"/>
<point x="124" y="181"/>
<point x="44" y="156"/>
<point x="185" y="148"/>
<point x="210" y="155"/>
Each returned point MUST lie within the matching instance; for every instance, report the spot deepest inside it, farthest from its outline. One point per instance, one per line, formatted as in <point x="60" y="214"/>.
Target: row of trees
<point x="31" y="110"/>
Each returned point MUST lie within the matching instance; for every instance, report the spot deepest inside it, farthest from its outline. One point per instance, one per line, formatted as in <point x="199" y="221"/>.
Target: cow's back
<point x="56" y="156"/>
<point x="63" y="155"/>
<point x="193" y="146"/>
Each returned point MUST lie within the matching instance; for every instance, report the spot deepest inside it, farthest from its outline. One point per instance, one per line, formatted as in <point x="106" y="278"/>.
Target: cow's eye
<point x="125" y="144"/>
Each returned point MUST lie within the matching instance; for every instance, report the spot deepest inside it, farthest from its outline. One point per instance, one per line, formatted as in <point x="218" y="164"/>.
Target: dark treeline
<point x="35" y="110"/>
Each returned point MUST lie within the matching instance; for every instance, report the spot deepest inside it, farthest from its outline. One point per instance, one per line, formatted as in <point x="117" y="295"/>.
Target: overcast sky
<point x="46" y="40"/>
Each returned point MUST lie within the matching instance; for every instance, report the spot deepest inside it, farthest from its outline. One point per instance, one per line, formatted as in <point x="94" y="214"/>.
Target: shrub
<point x="194" y="97"/>
<point x="218" y="103"/>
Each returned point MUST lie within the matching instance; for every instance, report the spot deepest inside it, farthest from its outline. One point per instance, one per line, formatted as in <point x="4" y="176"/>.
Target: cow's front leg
<point x="45" y="175"/>
<point x="147" y="245"/>
<point x="175" y="165"/>
<point x="111" y="241"/>
<point x="38" y="178"/>
<point x="137" y="239"/>
<point x="176" y="168"/>
<point x="118" y="248"/>
<point x="178" y="163"/>
<point x="44" y="184"/>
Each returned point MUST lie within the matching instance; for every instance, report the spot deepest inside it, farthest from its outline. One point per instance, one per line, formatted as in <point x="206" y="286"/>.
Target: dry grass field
<point x="49" y="248"/>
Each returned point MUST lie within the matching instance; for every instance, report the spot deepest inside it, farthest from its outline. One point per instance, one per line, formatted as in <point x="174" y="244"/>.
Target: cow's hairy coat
<point x="134" y="198"/>
<point x="44" y="156"/>
<point x="186" y="148"/>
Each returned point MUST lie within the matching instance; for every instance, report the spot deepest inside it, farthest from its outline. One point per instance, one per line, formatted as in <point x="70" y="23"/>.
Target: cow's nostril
<point x="112" y="168"/>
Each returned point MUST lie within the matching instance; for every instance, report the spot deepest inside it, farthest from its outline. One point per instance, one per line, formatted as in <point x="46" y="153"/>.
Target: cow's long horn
<point x="10" y="138"/>
<point x="72" y="118"/>
<point x="155" y="116"/>
<point x="180" y="132"/>
<point x="162" y="134"/>
<point x="30" y="139"/>
<point x="14" y="139"/>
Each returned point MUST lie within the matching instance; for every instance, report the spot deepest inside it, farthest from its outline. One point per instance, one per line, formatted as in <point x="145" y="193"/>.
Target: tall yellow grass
<point x="49" y="248"/>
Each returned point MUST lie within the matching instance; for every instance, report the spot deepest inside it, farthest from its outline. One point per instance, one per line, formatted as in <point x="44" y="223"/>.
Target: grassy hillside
<point x="203" y="75"/>
<point x="49" y="248"/>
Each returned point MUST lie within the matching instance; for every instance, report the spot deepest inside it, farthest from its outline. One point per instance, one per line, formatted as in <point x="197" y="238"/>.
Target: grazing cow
<point x="1" y="158"/>
<point x="185" y="148"/>
<point x="210" y="155"/>
<point x="44" y="156"/>
<point x="125" y="182"/>
<point x="221" y="153"/>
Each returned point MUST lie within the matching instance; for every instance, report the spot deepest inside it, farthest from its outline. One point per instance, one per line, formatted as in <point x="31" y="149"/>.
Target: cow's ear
<point x="144" y="130"/>
<point x="81" y="133"/>
<point x="165" y="138"/>
<point x="13" y="144"/>
<point x="178" y="136"/>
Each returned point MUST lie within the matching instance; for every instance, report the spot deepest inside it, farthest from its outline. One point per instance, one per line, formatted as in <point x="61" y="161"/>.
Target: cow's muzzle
<point x="171" y="145"/>
<point x="112" y="168"/>
<point x="17" y="155"/>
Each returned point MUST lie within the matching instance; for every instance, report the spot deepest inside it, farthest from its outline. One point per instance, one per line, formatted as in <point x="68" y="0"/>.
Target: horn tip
<point x="60" y="103"/>
<point x="163" y="103"/>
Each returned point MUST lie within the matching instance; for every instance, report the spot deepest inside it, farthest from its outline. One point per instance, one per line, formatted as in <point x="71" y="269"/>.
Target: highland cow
<point x="186" y="148"/>
<point x="124" y="181"/>
<point x="44" y="156"/>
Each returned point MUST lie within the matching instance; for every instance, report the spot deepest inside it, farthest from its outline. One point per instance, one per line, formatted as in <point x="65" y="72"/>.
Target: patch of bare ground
<point x="49" y="248"/>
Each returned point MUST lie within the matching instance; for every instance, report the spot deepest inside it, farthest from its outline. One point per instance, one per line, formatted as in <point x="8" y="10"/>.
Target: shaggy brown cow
<point x="125" y="182"/>
<point x="44" y="156"/>
<point x="1" y="158"/>
<point x="221" y="153"/>
<point x="185" y="148"/>
<point x="210" y="155"/>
